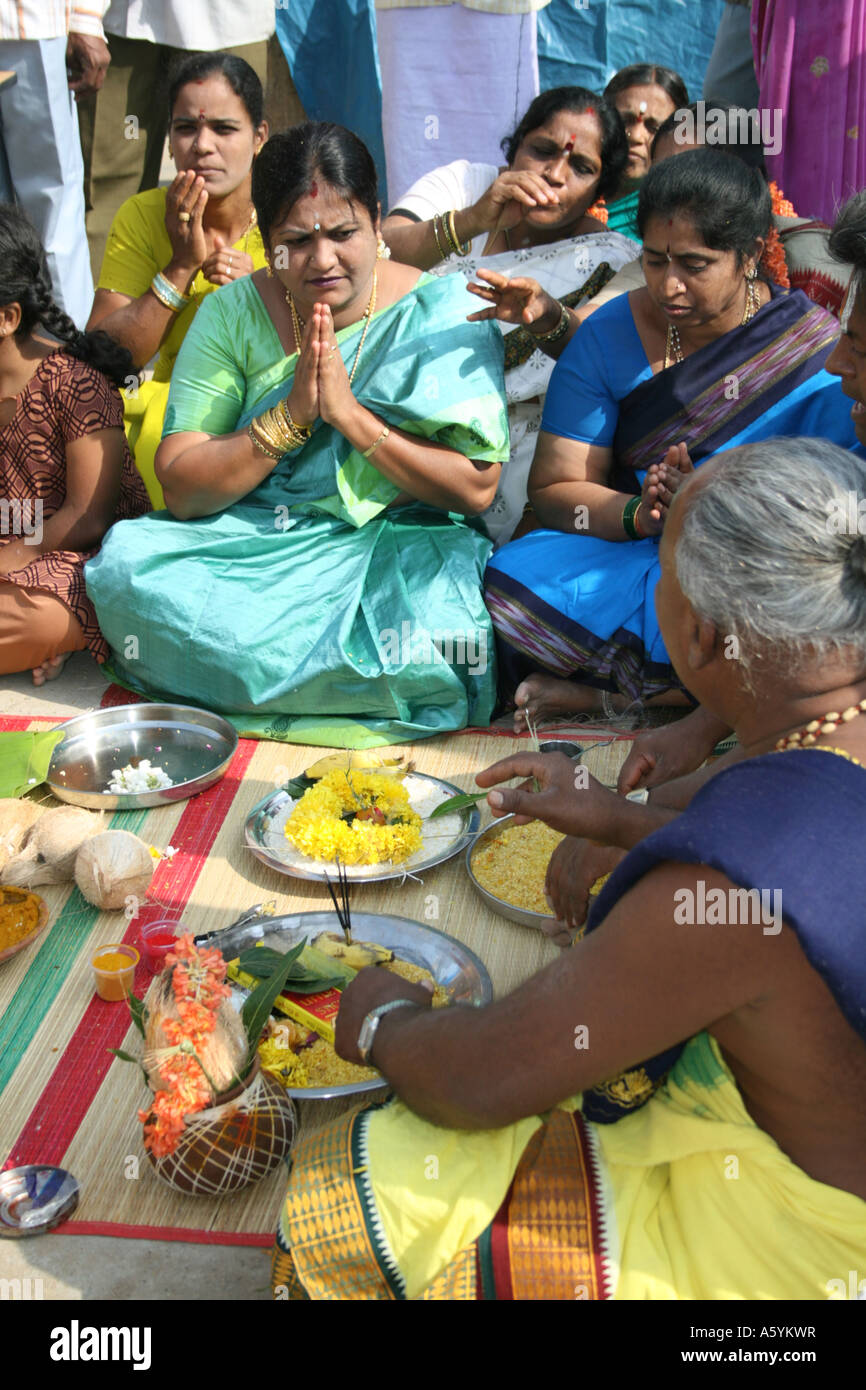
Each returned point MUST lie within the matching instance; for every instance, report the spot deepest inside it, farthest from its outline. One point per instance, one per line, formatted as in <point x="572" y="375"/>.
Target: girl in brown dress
<point x="66" y="474"/>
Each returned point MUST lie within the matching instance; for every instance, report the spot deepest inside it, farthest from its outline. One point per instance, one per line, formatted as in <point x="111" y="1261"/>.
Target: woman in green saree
<point x="332" y="423"/>
<point x="645" y="95"/>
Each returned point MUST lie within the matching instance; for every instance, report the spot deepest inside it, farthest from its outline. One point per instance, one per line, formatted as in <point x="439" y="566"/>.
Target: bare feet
<point x="543" y="697"/>
<point x="49" y="670"/>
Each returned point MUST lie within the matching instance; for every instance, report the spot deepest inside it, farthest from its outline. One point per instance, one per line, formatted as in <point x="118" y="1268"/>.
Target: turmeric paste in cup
<point x="113" y="970"/>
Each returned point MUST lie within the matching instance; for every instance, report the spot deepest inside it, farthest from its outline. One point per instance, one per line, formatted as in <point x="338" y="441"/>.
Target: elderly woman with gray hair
<point x="711" y="1019"/>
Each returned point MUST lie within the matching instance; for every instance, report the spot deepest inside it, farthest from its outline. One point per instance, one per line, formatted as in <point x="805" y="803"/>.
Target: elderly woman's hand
<point x="568" y="797"/>
<point x="521" y="301"/>
<point x="506" y="200"/>
<point x="574" y="867"/>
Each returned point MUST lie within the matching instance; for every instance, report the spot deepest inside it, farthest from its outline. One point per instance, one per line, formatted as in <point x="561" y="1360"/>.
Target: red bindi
<point x="590" y="111"/>
<point x="314" y="189"/>
<point x="569" y="144"/>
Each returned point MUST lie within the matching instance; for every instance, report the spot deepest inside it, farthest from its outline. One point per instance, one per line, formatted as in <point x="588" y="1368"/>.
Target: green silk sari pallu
<point x="312" y="611"/>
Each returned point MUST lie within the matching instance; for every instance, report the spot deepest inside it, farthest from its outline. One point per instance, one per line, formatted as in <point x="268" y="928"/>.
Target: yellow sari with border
<point x="138" y="246"/>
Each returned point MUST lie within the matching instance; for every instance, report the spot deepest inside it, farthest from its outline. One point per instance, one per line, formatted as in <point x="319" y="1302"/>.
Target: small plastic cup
<point x="113" y="970"/>
<point x="157" y="939"/>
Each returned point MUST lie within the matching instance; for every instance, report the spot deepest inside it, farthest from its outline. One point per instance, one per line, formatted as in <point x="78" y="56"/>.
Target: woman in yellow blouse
<point x="169" y="247"/>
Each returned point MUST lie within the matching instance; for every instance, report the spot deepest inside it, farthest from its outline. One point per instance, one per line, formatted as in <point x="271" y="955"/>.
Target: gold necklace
<point x="673" y="346"/>
<point x="298" y="323"/>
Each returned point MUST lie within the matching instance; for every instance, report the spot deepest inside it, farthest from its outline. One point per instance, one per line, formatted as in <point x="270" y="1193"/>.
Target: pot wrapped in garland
<point x="216" y="1122"/>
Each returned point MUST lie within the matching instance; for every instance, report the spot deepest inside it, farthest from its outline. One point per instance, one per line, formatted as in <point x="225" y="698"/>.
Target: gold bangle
<point x="443" y="255"/>
<point x="264" y="427"/>
<point x="460" y="249"/>
<point x="275" y="425"/>
<point x="368" y="453"/>
<point x="263" y="448"/>
<point x="303" y="432"/>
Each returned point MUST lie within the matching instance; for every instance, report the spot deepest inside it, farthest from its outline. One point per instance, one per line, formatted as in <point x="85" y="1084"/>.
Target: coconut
<point x="17" y="818"/>
<point x="49" y="851"/>
<point x="222" y="1054"/>
<point x="112" y="867"/>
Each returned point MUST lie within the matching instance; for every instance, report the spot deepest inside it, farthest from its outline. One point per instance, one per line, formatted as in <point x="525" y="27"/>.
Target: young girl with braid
<point x="65" y="469"/>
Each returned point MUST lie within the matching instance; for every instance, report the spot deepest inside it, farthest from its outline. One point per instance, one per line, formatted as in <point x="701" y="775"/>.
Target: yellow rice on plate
<point x="513" y="865"/>
<point x="318" y="1063"/>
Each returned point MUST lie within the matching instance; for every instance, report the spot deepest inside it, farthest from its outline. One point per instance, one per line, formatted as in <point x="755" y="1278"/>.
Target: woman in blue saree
<point x="332" y="423"/>
<point x="706" y="357"/>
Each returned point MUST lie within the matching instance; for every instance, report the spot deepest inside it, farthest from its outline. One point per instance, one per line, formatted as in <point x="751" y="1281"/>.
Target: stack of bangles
<point x="168" y="294"/>
<point x="445" y="222"/>
<point x="558" y="332"/>
<point x="275" y="433"/>
<point x="630" y="522"/>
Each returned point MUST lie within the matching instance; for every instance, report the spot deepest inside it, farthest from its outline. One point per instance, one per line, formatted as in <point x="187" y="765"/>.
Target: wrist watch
<point x="371" y="1023"/>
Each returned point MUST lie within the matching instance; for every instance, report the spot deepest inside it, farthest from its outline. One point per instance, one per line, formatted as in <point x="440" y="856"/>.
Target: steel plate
<point x="451" y="964"/>
<point x="263" y="835"/>
<point x="193" y="746"/>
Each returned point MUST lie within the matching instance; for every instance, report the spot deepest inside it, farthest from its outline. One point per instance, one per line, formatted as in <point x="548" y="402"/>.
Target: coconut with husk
<point x="18" y="815"/>
<point x="112" y="867"/>
<point x="49" y="850"/>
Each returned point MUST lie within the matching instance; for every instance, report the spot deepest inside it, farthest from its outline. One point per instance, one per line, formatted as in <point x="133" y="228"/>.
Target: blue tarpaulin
<point x="330" y="47"/>
<point x="584" y="42"/>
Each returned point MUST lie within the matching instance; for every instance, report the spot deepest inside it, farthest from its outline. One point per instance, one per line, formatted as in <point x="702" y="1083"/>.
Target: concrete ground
<point x="107" y="1267"/>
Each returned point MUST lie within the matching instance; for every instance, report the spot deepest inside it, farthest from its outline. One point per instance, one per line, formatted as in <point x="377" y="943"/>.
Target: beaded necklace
<point x="827" y="724"/>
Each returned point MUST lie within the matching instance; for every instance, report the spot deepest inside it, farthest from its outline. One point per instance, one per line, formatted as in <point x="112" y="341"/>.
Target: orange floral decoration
<point x="773" y="260"/>
<point x="599" y="211"/>
<point x="198" y="982"/>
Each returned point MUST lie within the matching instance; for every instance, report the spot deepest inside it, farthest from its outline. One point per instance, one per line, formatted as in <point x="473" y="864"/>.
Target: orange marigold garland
<point x="599" y="211"/>
<point x="782" y="206"/>
<point x="198" y="983"/>
<point x="773" y="261"/>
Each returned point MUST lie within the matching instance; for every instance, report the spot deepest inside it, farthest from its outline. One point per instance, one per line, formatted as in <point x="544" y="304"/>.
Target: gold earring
<point x="383" y="251"/>
<point x="269" y="271"/>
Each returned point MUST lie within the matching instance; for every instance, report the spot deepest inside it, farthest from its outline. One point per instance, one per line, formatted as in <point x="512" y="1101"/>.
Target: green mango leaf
<point x="125" y="1056"/>
<point x="257" y="1007"/>
<point x="457" y="803"/>
<point x="139" y="1012"/>
<point x="262" y="962"/>
<point x="298" y="785"/>
<point x="315" y="984"/>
